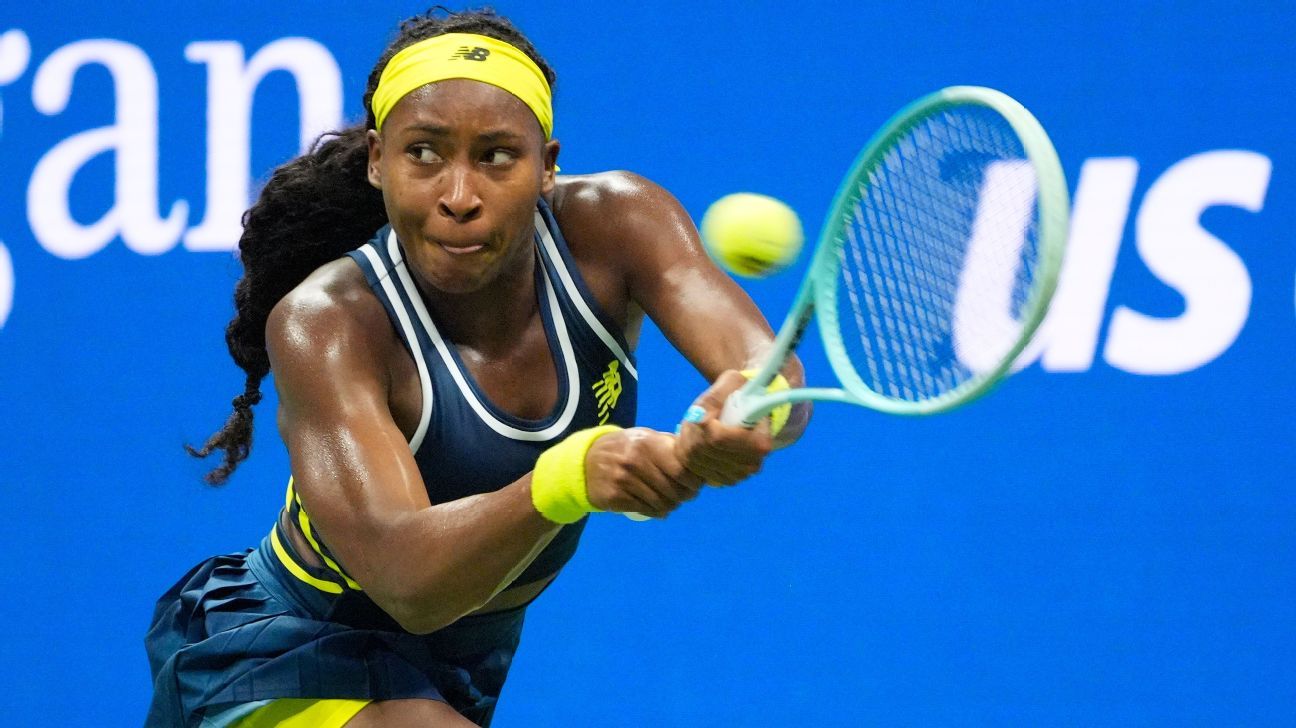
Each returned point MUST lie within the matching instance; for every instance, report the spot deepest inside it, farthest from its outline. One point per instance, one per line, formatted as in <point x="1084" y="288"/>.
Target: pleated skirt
<point x="239" y="628"/>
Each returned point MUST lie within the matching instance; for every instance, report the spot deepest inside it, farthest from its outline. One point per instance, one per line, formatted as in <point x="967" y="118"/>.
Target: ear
<point x="375" y="159"/>
<point x="551" y="149"/>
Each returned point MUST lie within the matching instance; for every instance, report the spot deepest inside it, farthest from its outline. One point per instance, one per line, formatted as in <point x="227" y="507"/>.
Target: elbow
<point x="426" y="613"/>
<point x="416" y="622"/>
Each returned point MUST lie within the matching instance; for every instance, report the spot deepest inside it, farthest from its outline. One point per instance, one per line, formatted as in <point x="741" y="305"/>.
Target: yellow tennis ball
<point x="752" y="235"/>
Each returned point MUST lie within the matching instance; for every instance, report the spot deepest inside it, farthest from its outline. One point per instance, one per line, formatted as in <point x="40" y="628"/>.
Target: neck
<point x="492" y="316"/>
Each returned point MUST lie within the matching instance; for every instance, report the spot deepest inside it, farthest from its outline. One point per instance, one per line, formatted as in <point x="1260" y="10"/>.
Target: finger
<point x="633" y="504"/>
<point x="612" y="480"/>
<point x="669" y="474"/>
<point x="737" y="440"/>
<point x="644" y="491"/>
<point x="701" y="469"/>
<point x="739" y="443"/>
<point x="717" y="469"/>
<point x="688" y="436"/>
<point x="752" y="454"/>
<point x="684" y="465"/>
<point x="674" y="469"/>
<point x="744" y="454"/>
<point x="685" y="482"/>
<point x="640" y="485"/>
<point x="720" y="466"/>
<point x="710" y="403"/>
<point x="727" y="383"/>
<point x="675" y="487"/>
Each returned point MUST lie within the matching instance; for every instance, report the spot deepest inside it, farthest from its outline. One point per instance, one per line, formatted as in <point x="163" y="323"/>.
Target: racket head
<point x="940" y="252"/>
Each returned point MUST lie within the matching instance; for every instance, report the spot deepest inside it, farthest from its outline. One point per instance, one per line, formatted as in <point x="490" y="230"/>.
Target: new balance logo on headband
<point x="471" y="54"/>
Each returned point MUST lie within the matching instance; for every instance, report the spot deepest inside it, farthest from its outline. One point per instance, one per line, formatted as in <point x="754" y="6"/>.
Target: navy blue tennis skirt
<point x="239" y="629"/>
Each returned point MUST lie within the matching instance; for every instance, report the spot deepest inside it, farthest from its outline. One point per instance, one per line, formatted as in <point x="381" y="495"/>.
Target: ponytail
<point x="313" y="210"/>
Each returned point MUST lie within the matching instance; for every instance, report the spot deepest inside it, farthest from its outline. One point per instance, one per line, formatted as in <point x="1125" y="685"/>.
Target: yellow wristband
<point x="779" y="415"/>
<point x="558" y="481"/>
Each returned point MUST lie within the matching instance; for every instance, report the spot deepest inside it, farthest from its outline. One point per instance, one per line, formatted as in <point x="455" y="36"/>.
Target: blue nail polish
<point x="694" y="414"/>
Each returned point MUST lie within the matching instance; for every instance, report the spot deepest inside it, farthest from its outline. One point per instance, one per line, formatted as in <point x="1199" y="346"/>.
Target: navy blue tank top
<point x="464" y="444"/>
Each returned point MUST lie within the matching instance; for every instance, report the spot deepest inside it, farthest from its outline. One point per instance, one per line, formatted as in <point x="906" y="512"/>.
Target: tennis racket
<point x="935" y="265"/>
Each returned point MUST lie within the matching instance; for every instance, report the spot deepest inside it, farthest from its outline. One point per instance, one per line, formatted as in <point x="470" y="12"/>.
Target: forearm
<point x="434" y="565"/>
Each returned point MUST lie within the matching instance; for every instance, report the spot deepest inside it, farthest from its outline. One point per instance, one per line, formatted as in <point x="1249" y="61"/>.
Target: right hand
<point x="637" y="471"/>
<point x="722" y="454"/>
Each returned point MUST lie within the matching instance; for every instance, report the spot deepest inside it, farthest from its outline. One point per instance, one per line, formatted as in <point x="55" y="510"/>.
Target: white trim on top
<point x="425" y="379"/>
<point x="461" y="379"/>
<point x="546" y="238"/>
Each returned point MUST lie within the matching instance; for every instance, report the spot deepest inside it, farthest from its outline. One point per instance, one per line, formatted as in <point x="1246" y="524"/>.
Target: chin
<point x="445" y="280"/>
<point x="458" y="285"/>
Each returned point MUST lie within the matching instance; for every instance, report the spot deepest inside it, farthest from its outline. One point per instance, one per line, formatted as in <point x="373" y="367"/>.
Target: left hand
<point x="722" y="454"/>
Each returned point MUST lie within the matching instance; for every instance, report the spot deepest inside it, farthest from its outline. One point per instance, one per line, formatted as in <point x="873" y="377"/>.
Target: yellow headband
<point x="464" y="55"/>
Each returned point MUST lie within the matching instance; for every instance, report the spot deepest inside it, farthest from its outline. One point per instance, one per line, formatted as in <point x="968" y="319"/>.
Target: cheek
<point x="521" y="201"/>
<point x="515" y="226"/>
<point x="405" y="200"/>
<point x="408" y="209"/>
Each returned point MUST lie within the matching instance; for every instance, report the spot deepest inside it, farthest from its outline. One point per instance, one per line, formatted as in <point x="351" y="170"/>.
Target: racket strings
<point x="937" y="255"/>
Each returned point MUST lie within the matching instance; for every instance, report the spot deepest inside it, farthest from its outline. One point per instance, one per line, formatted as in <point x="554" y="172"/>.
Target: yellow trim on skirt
<point x="303" y="713"/>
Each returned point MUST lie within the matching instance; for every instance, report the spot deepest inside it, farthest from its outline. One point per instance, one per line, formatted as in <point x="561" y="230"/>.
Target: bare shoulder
<point x="617" y="187"/>
<point x="618" y="204"/>
<point x="624" y="220"/>
<point x="331" y="316"/>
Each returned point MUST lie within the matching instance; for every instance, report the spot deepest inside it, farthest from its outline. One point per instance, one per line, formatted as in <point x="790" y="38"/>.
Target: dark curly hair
<point x="313" y="210"/>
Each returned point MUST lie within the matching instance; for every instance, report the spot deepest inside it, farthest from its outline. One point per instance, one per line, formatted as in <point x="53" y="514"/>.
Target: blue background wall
<point x="1089" y="545"/>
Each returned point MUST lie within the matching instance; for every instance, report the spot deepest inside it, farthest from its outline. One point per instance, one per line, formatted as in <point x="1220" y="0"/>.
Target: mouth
<point x="460" y="248"/>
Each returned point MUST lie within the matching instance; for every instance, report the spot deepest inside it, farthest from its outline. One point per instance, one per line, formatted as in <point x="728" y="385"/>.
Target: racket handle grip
<point x="732" y="414"/>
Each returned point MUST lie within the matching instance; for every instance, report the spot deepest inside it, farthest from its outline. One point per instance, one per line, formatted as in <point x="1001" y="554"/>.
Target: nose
<point x="459" y="200"/>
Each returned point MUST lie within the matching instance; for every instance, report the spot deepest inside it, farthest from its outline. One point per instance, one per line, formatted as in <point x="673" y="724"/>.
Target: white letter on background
<point x="133" y="139"/>
<point x="1211" y="277"/>
<point x="231" y="86"/>
<point x="6" y="285"/>
<point x="984" y="325"/>
<point x="1069" y="334"/>
<point x="15" y="54"/>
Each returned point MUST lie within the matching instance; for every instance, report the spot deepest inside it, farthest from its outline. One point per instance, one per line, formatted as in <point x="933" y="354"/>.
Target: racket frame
<point x="819" y="287"/>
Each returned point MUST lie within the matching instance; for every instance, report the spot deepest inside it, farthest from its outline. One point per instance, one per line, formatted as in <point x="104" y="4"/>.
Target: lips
<point x="461" y="246"/>
<point x="461" y="249"/>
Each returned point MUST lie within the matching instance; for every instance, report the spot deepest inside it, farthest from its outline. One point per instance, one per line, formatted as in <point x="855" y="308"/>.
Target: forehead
<point x="463" y="105"/>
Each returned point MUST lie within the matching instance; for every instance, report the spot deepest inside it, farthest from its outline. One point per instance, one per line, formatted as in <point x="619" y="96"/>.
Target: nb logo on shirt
<point x="608" y="390"/>
<point x="471" y="54"/>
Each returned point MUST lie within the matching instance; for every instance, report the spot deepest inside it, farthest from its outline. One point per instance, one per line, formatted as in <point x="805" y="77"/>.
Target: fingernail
<point x="694" y="414"/>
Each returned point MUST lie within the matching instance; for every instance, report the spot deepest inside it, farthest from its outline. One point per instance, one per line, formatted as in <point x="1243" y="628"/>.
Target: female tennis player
<point x="456" y="395"/>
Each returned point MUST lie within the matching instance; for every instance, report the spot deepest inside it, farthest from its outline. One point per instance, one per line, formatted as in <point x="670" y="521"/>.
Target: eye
<point x="499" y="157"/>
<point x="424" y="154"/>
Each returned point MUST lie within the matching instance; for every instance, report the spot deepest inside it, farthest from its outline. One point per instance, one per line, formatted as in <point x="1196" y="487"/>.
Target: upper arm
<point x="700" y="309"/>
<point x="351" y="464"/>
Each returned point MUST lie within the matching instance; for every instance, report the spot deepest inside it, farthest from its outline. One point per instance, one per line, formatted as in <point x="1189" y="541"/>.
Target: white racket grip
<point x="732" y="414"/>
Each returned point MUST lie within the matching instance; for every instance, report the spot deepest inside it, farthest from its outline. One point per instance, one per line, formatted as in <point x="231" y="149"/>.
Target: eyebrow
<point x="445" y="131"/>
